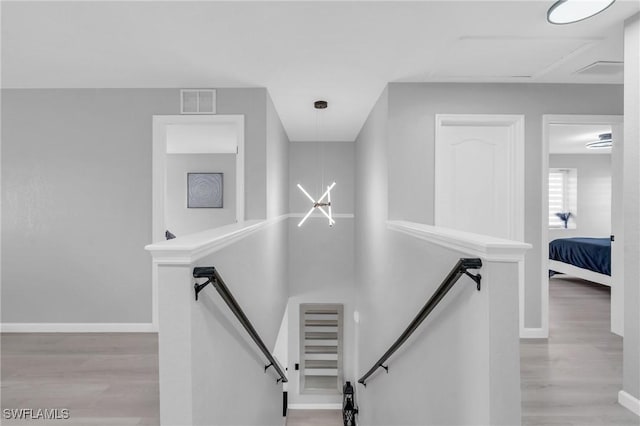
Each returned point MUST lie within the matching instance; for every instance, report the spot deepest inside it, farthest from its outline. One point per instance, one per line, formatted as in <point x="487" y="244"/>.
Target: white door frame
<point x="547" y="120"/>
<point x="159" y="155"/>
<point x="516" y="123"/>
<point x="160" y="122"/>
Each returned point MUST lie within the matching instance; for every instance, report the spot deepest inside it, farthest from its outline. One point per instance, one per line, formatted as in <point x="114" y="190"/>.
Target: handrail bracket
<point x="203" y="272"/>
<point x="477" y="278"/>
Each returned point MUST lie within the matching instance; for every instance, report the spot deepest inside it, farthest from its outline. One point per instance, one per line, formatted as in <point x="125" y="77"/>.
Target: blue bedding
<point x="593" y="254"/>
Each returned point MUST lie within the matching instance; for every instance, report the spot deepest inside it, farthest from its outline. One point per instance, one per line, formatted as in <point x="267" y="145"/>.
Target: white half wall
<point x="211" y="373"/>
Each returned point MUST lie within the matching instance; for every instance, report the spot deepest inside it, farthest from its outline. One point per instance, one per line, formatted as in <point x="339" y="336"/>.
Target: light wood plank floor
<point x="112" y="379"/>
<point x="101" y="378"/>
<point x="574" y="377"/>
<point x="314" y="418"/>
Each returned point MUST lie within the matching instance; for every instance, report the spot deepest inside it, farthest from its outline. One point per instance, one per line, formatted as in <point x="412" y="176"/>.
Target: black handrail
<point x="214" y="278"/>
<point x="459" y="270"/>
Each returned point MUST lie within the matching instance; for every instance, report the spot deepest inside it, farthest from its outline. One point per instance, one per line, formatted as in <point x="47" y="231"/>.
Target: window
<point x="563" y="194"/>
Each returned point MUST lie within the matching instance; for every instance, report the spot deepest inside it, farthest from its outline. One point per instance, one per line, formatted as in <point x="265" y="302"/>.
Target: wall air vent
<point x="197" y="101"/>
<point x="602" y="68"/>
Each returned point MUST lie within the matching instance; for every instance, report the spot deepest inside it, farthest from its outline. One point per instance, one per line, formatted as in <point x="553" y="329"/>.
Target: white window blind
<point x="562" y="196"/>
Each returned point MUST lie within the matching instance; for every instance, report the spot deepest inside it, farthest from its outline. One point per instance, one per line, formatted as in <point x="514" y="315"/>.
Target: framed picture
<point x="204" y="190"/>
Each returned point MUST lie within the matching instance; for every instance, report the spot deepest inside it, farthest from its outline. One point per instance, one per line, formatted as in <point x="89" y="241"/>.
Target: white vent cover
<point x="198" y="101"/>
<point x="602" y="68"/>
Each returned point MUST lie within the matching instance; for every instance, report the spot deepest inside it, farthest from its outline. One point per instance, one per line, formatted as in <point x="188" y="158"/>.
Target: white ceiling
<point x="571" y="138"/>
<point x="301" y="51"/>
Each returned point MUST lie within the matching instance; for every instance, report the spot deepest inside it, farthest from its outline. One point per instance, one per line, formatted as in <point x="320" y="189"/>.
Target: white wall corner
<point x="629" y="402"/>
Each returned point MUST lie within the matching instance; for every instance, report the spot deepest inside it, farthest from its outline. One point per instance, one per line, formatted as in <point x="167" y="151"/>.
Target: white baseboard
<point x="629" y="402"/>
<point x="533" y="333"/>
<point x="337" y="406"/>
<point x="48" y="327"/>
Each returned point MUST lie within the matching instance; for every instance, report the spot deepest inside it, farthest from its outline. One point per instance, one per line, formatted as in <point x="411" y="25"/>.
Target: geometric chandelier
<point x="318" y="204"/>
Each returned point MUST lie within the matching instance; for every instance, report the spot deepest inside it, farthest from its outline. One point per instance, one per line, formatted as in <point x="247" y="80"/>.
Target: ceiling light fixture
<point x="319" y="203"/>
<point x="604" y="141"/>
<point x="570" y="11"/>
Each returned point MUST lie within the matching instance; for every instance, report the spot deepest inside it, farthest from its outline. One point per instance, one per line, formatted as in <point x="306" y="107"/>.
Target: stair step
<point x="321" y="383"/>
<point x="321" y="372"/>
<point x="309" y="363"/>
<point x="320" y="342"/>
<point x="321" y="312"/>
<point x="321" y="329"/>
<point x="311" y="349"/>
<point x="321" y="323"/>
<point x="317" y="335"/>
<point x="321" y="317"/>
<point x="320" y="357"/>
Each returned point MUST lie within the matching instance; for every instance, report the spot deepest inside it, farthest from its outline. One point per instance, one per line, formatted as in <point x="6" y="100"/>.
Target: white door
<point x="617" y="230"/>
<point x="479" y="176"/>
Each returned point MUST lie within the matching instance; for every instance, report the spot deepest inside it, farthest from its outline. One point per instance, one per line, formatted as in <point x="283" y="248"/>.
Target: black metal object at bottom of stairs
<point x="349" y="409"/>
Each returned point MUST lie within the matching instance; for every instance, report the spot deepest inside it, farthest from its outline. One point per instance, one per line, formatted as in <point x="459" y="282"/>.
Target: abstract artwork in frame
<point x="204" y="190"/>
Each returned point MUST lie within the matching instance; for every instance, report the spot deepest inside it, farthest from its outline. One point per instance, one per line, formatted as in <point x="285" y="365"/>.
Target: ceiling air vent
<point x="602" y="68"/>
<point x="198" y="101"/>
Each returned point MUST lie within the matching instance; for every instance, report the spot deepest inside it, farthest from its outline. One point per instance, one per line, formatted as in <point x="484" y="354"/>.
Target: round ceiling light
<point x="570" y="11"/>
<point x="604" y="141"/>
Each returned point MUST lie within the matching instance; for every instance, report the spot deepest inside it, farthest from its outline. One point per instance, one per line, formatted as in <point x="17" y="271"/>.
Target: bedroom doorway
<point x="582" y="205"/>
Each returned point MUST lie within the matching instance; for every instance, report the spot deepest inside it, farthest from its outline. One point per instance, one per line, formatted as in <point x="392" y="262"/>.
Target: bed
<point x="586" y="258"/>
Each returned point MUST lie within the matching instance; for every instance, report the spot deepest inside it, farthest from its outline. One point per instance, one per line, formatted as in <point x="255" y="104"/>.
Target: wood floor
<point x="112" y="379"/>
<point x="101" y="378"/>
<point x="314" y="418"/>
<point x="574" y="377"/>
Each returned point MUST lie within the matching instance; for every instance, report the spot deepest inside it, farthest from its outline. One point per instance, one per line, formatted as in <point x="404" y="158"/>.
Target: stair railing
<point x="214" y="278"/>
<point x="461" y="268"/>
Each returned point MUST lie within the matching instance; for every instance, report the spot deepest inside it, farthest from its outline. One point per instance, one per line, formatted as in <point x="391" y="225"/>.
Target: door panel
<point x="477" y="175"/>
<point x="617" y="229"/>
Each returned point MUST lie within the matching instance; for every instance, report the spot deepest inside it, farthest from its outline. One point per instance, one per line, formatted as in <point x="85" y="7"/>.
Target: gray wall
<point x="412" y="110"/>
<point x="447" y="361"/>
<point x="180" y="219"/>
<point x="252" y="103"/>
<point x="76" y="198"/>
<point x="593" y="218"/>
<point x="76" y="201"/>
<point x="314" y="165"/>
<point x="321" y="258"/>
<point x="277" y="162"/>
